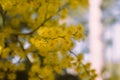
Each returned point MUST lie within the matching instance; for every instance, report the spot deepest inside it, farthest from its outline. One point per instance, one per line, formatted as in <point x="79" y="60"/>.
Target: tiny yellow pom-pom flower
<point x="80" y="57"/>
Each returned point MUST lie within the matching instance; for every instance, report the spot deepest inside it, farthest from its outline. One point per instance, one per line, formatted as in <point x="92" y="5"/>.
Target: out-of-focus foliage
<point x="36" y="23"/>
<point x="111" y="13"/>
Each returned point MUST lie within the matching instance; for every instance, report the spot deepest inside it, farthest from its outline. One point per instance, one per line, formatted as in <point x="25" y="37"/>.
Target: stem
<point x="80" y="63"/>
<point x="27" y="59"/>
<point x="60" y="9"/>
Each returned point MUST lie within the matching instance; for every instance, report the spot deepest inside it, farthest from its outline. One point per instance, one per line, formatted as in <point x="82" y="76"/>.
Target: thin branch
<point x="80" y="63"/>
<point x="21" y="45"/>
<point x="52" y="38"/>
<point x="41" y="25"/>
<point x="60" y="9"/>
<point x="63" y="7"/>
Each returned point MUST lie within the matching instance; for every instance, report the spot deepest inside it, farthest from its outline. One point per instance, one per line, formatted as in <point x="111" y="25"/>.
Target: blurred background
<point x="102" y="44"/>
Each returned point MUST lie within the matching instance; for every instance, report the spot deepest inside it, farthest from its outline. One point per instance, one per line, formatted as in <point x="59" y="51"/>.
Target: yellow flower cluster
<point x="84" y="70"/>
<point x="32" y="33"/>
<point x="54" y="44"/>
<point x="8" y="70"/>
<point x="76" y="3"/>
<point x="57" y="38"/>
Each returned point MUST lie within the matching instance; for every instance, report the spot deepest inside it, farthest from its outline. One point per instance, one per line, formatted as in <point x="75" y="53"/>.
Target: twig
<point x="60" y="9"/>
<point x="23" y="50"/>
<point x="80" y="63"/>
